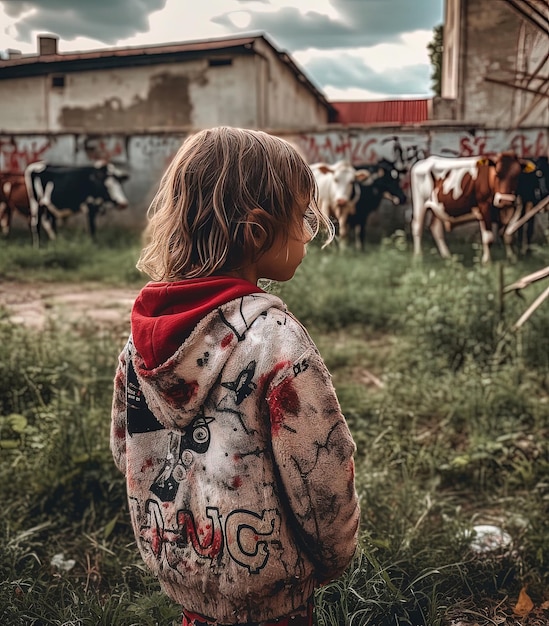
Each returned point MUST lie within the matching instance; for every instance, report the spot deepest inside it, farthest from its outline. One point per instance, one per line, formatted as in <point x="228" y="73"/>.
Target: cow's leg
<point x="417" y="233"/>
<point x="437" y="230"/>
<point x="35" y="192"/>
<point x="48" y="222"/>
<point x="343" y="231"/>
<point x="93" y="210"/>
<point x="5" y="218"/>
<point x="508" y="239"/>
<point x="526" y="232"/>
<point x="48" y="213"/>
<point x="362" y="231"/>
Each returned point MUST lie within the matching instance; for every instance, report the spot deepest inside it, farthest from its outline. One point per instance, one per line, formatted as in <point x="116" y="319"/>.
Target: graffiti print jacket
<point x="238" y="460"/>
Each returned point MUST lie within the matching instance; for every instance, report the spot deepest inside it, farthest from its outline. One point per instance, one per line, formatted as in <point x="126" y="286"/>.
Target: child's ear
<point x="254" y="233"/>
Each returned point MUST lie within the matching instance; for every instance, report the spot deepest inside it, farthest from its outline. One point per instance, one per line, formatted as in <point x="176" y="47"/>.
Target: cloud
<point x="104" y="20"/>
<point x="352" y="23"/>
<point x="347" y="72"/>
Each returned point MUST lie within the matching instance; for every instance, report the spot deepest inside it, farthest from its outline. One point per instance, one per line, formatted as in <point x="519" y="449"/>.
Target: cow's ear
<point x="485" y="161"/>
<point x="528" y="166"/>
<point x="324" y="168"/>
<point x="362" y="175"/>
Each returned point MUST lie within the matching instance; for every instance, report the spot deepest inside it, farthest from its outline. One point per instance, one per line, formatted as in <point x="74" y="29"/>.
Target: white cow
<point x="338" y="191"/>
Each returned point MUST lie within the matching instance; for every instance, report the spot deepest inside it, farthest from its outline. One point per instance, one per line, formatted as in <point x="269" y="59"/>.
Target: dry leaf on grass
<point x="524" y="604"/>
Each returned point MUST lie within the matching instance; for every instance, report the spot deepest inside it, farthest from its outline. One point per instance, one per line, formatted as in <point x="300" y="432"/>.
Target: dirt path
<point x="34" y="304"/>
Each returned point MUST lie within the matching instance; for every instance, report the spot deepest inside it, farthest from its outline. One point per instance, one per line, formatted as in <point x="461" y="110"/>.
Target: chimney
<point x="13" y="54"/>
<point x="47" y="45"/>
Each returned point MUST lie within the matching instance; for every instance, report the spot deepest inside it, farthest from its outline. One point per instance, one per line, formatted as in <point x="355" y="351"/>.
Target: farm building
<point x="495" y="69"/>
<point x="241" y="81"/>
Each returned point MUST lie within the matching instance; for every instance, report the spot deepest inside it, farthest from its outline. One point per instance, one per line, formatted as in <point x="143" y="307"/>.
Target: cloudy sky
<point x="351" y="49"/>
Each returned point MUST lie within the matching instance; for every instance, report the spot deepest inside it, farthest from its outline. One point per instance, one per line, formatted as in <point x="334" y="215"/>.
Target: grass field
<point x="447" y="403"/>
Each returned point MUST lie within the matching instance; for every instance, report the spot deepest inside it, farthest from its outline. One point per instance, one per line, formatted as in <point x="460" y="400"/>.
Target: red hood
<point x="164" y="314"/>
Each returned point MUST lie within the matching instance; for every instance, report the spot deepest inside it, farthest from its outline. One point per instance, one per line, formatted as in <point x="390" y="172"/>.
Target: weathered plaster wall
<point x="23" y="104"/>
<point x="286" y="98"/>
<point x="134" y="98"/>
<point x="488" y="26"/>
<point x="489" y="40"/>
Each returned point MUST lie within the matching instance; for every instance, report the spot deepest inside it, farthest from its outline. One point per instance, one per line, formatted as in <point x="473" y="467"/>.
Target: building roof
<point x="18" y="66"/>
<point x="382" y="111"/>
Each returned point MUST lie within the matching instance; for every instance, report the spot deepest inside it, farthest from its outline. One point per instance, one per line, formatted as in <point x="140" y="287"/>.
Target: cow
<point x="383" y="183"/>
<point x="58" y="191"/>
<point x="458" y="190"/>
<point x="338" y="191"/>
<point x="13" y="197"/>
<point x="532" y="189"/>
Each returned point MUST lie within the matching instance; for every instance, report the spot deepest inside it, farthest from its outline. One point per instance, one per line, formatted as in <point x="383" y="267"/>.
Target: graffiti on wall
<point x="526" y="143"/>
<point x="407" y="147"/>
<point x="17" y="152"/>
<point x="105" y="148"/>
<point x="363" y="147"/>
<point x="155" y="150"/>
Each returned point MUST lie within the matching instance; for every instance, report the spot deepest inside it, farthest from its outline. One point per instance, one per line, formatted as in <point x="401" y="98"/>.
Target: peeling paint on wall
<point x="168" y="104"/>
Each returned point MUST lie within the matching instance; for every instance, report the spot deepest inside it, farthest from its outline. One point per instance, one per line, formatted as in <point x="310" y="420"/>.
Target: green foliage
<point x="435" y="48"/>
<point x="447" y="405"/>
<point x="73" y="257"/>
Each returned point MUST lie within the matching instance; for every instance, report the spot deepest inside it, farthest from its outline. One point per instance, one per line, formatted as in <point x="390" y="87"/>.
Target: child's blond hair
<point x="225" y="197"/>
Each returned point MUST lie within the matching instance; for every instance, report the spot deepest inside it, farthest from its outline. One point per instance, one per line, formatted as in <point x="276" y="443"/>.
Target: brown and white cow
<point x="338" y="191"/>
<point x="13" y="197"/>
<point x="458" y="190"/>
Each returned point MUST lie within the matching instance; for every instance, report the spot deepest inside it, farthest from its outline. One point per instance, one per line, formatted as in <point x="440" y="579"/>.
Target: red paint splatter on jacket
<point x="182" y="392"/>
<point x="282" y="401"/>
<point x="226" y="341"/>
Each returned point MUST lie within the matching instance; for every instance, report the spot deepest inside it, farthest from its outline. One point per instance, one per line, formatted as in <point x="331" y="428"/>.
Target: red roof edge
<point x="382" y="111"/>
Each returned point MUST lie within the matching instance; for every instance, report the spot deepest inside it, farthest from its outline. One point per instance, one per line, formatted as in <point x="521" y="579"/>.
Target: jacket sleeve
<point x="313" y="449"/>
<point x="118" y="415"/>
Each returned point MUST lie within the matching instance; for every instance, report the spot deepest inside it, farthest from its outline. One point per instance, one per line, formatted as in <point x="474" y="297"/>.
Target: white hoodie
<point x="239" y="464"/>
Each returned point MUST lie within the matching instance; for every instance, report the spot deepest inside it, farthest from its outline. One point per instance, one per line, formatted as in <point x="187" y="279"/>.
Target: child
<point x="238" y="461"/>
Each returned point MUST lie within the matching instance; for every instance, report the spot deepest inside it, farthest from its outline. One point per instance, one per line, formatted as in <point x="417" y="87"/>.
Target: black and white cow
<point x="383" y="183"/>
<point x="58" y="191"/>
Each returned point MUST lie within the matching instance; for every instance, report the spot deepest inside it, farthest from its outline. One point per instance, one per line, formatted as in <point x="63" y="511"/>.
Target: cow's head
<point x="505" y="170"/>
<point x="344" y="188"/>
<point x="108" y="180"/>
<point x="388" y="182"/>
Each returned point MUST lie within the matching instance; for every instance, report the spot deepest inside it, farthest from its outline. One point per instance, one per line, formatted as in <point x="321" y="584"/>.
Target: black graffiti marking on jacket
<point x="195" y="438"/>
<point x="201" y="362"/>
<point x="243" y="385"/>
<point x="139" y="418"/>
<point x="247" y="323"/>
<point x="301" y="367"/>
<point x="255" y="535"/>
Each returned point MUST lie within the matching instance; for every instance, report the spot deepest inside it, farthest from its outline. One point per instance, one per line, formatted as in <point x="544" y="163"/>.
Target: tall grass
<point x="448" y="406"/>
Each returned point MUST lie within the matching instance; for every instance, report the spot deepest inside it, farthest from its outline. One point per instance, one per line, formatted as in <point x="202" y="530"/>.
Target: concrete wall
<point x="146" y="156"/>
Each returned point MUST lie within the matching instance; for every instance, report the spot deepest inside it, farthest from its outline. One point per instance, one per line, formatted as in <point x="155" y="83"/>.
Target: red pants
<point x="305" y="619"/>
